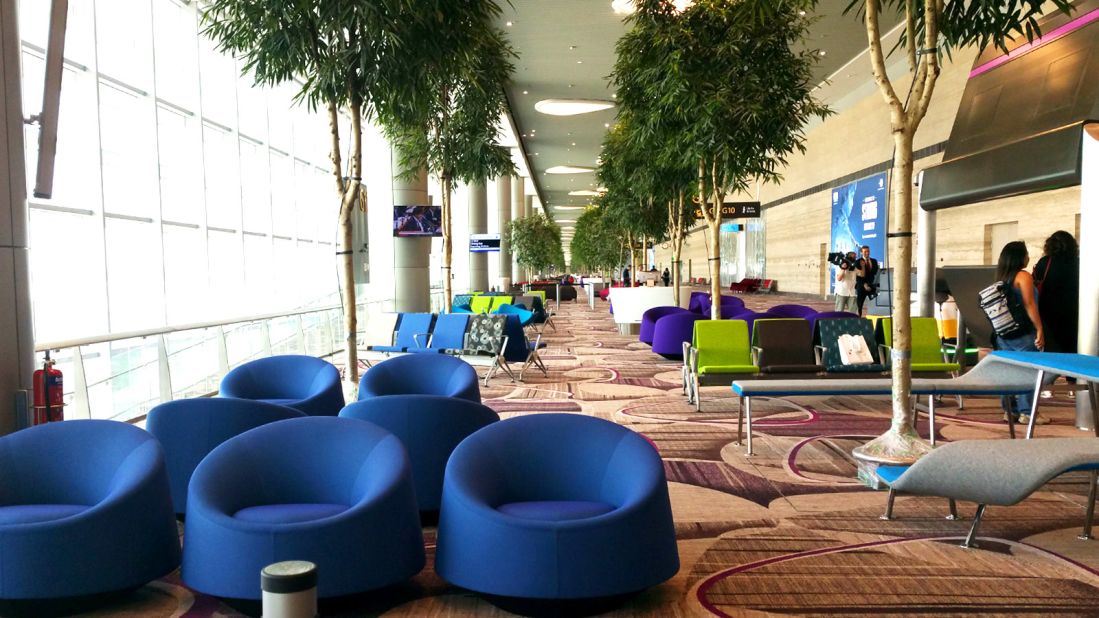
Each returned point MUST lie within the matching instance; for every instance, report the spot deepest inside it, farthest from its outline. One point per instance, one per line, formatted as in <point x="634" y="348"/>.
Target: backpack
<point x="1007" y="314"/>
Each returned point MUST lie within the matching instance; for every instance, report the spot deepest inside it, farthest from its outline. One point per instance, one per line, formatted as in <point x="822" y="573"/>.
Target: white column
<point x="503" y="205"/>
<point x="1087" y="341"/>
<point x="478" y="224"/>
<point x="925" y="259"/>
<point x="518" y="204"/>
<point x="411" y="285"/>
<point x="16" y="323"/>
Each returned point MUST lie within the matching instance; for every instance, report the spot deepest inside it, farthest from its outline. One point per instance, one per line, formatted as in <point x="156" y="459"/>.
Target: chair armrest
<point x="694" y="360"/>
<point x="885" y="352"/>
<point x="818" y="353"/>
<point x="757" y="355"/>
<point x="422" y="343"/>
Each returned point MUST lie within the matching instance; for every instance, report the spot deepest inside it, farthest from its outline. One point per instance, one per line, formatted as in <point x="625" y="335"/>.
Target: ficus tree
<point x="931" y="28"/>
<point x="727" y="86"/>
<point x="340" y="53"/>
<point x="535" y="241"/>
<point x="596" y="245"/>
<point x="448" y="104"/>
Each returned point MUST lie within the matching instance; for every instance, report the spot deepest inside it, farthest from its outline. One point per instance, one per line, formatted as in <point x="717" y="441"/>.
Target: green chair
<point x="719" y="352"/>
<point x="481" y="304"/>
<point x="497" y="301"/>
<point x="928" y="356"/>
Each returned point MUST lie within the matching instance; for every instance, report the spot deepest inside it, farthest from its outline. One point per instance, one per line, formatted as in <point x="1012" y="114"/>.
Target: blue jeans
<point x="1022" y="343"/>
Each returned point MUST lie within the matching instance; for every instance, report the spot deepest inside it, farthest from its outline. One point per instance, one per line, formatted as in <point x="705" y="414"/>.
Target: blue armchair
<point x="189" y="429"/>
<point x="555" y="506"/>
<point x="84" y="509"/>
<point x="305" y="383"/>
<point x="421" y="374"/>
<point x="334" y="491"/>
<point x="430" y="427"/>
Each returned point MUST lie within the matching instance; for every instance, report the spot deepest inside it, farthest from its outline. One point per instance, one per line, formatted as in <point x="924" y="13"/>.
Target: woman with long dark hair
<point x="1057" y="276"/>
<point x="1011" y="269"/>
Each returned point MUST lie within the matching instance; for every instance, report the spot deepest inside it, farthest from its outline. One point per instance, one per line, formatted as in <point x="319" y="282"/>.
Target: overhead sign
<point x="484" y="243"/>
<point x="734" y="210"/>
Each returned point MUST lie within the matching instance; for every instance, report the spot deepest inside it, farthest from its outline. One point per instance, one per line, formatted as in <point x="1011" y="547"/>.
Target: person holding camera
<point x="845" y="284"/>
<point x="866" y="275"/>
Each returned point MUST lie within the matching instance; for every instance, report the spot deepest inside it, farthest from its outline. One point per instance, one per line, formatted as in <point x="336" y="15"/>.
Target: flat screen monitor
<point x="484" y="243"/>
<point x="417" y="220"/>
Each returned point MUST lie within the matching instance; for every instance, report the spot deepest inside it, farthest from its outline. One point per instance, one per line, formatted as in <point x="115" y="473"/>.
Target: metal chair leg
<point x="953" y="516"/>
<point x="931" y="418"/>
<point x="1086" y="534"/>
<point x="1093" y="393"/>
<point x="971" y="538"/>
<point x="1034" y="404"/>
<point x="748" y="421"/>
<point x="889" y="505"/>
<point x="740" y="422"/>
<point x="698" y="396"/>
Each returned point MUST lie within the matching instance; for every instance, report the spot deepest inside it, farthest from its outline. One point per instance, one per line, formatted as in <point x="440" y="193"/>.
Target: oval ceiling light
<point x="585" y="192"/>
<point x="569" y="169"/>
<point x="626" y="7"/>
<point x="569" y="207"/>
<point x="571" y="107"/>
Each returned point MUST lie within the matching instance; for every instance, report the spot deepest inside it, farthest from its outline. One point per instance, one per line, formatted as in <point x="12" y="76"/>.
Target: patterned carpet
<point x="785" y="532"/>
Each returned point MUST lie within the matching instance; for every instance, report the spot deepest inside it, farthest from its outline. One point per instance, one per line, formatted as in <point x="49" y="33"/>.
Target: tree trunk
<point x="447" y="243"/>
<point x="348" y="192"/>
<point x="715" y="267"/>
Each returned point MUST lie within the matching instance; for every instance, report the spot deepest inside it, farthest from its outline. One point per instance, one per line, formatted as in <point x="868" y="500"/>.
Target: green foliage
<point x="982" y="23"/>
<point x="449" y="98"/>
<point x="721" y="84"/>
<point x="597" y="243"/>
<point x="340" y="49"/>
<point x="535" y="241"/>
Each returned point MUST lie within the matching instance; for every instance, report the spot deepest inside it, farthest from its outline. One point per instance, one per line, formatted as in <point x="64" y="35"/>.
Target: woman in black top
<point x="1057" y="275"/>
<point x="1018" y="283"/>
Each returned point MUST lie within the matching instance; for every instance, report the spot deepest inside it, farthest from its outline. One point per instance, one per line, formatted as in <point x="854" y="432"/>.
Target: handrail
<point x="164" y="330"/>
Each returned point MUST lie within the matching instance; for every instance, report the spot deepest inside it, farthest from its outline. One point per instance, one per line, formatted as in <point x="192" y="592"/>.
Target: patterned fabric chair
<point x="829" y="353"/>
<point x="823" y="315"/>
<point x="486" y="337"/>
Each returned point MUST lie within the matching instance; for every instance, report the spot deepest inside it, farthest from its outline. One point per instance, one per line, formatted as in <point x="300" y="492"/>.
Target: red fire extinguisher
<point x="48" y="393"/>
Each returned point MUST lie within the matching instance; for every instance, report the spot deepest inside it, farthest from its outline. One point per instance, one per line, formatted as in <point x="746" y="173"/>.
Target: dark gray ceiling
<point x="566" y="50"/>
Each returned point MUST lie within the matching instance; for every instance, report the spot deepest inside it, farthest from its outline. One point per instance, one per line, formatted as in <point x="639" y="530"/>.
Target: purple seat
<point x="671" y="331"/>
<point x="792" y="311"/>
<point x="823" y="315"/>
<point x="649" y="318"/>
<point x="750" y="317"/>
<point x="731" y="304"/>
<point x="699" y="302"/>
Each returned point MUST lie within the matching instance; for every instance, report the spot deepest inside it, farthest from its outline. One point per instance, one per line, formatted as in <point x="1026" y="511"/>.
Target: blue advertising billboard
<point x="859" y="211"/>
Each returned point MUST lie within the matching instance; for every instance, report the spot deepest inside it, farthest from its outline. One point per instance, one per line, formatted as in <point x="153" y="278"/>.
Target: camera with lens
<point x="839" y="258"/>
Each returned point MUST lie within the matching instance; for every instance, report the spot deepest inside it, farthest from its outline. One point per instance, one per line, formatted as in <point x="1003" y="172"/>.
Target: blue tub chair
<point x="336" y="492"/>
<point x="421" y="374"/>
<point x="525" y="317"/>
<point x="430" y="427"/>
<point x="555" y="506"/>
<point x="189" y="429"/>
<point x="84" y="510"/>
<point x="671" y="331"/>
<point x="305" y="383"/>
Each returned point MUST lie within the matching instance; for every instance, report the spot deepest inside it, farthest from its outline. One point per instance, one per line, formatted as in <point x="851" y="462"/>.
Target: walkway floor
<point x="787" y="531"/>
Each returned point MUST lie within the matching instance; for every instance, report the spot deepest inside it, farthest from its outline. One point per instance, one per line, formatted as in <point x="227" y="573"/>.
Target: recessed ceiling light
<point x="574" y="143"/>
<point x="570" y="169"/>
<point x="606" y="125"/>
<point x="526" y="92"/>
<point x="571" y="47"/>
<point x="822" y="52"/>
<point x="509" y="24"/>
<point x="802" y="13"/>
<point x="579" y="62"/>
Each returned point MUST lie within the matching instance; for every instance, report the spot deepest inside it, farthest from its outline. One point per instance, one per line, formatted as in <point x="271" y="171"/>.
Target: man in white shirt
<point x="845" y="285"/>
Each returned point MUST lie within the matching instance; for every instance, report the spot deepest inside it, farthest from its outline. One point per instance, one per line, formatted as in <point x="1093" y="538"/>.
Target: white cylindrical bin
<point x="289" y="589"/>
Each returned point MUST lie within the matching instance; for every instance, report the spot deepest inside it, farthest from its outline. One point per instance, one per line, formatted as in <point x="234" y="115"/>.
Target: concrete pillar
<point x="503" y="205"/>
<point x="528" y="209"/>
<point x="478" y="224"/>
<point x="518" y="205"/>
<point x="16" y="324"/>
<point x="1087" y="341"/>
<point x="925" y="260"/>
<point x="411" y="282"/>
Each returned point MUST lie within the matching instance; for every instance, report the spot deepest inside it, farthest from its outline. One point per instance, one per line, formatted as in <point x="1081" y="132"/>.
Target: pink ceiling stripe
<point x="1045" y="39"/>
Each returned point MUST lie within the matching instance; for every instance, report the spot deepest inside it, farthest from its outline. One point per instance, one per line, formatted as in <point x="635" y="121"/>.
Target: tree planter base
<point x="891" y="448"/>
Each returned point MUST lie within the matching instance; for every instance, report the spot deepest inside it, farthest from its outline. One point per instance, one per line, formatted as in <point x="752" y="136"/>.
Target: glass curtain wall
<point x="182" y="194"/>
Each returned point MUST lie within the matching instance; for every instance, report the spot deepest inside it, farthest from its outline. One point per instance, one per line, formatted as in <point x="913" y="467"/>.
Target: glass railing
<point x="122" y="376"/>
